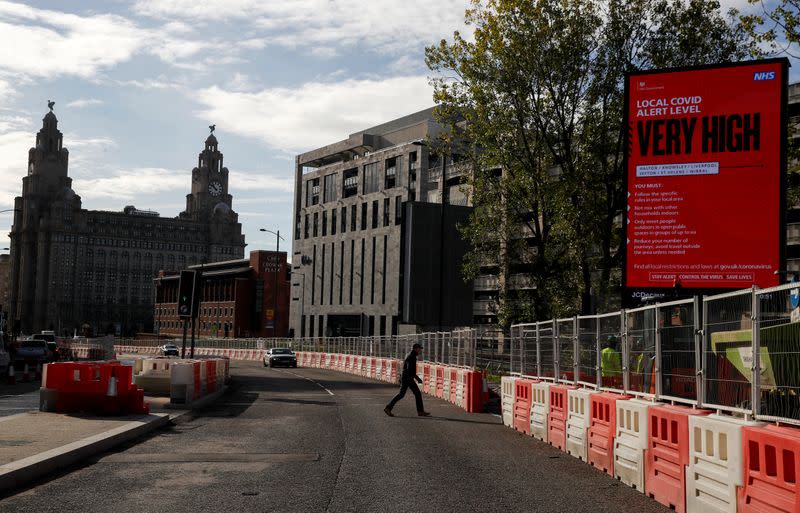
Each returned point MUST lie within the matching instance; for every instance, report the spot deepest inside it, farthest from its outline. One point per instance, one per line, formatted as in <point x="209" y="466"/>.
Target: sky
<point x="136" y="84"/>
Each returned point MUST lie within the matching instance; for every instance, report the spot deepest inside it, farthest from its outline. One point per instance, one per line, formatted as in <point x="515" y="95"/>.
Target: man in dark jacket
<point x="407" y="381"/>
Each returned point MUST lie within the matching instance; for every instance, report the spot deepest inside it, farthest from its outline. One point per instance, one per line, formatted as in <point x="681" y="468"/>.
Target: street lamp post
<point x="278" y="239"/>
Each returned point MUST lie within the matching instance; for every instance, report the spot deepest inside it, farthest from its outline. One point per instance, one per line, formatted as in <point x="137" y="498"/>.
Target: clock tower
<point x="209" y="196"/>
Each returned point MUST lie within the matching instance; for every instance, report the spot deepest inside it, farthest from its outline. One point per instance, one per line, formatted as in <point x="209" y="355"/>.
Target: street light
<point x="278" y="239"/>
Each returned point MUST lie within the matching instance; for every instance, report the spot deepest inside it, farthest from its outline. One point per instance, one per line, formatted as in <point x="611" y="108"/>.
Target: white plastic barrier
<point x="461" y="387"/>
<point x="447" y="384"/>
<point x="715" y="463"/>
<point x="578" y="419"/>
<point x="540" y="408"/>
<point x="154" y="377"/>
<point x="631" y="442"/>
<point x="507" y="384"/>
<point x="181" y="390"/>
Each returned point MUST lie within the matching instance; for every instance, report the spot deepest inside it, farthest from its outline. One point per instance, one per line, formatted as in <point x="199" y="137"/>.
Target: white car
<point x="280" y="356"/>
<point x="170" y="350"/>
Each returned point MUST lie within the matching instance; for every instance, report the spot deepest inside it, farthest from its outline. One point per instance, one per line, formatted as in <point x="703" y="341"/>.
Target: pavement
<point x="313" y="440"/>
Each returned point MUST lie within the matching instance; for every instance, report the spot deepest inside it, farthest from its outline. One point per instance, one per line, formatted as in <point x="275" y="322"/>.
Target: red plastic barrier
<point x="211" y="376"/>
<point x="87" y="387"/>
<point x="522" y="405"/>
<point x="197" y="384"/>
<point x="439" y="381"/>
<point x="426" y="376"/>
<point x="557" y="418"/>
<point x="771" y="463"/>
<point x="453" y="385"/>
<point x="667" y="454"/>
<point x="603" y="429"/>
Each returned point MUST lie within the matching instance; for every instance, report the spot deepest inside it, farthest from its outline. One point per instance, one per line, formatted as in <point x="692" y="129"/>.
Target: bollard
<point x="26" y="376"/>
<point x="12" y="378"/>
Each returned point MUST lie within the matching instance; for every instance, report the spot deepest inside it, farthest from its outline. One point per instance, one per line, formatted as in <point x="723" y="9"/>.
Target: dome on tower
<point x="211" y="141"/>
<point x="50" y="118"/>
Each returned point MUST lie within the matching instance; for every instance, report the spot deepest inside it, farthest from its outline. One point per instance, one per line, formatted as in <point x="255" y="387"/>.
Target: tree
<point x="778" y="28"/>
<point x="538" y="96"/>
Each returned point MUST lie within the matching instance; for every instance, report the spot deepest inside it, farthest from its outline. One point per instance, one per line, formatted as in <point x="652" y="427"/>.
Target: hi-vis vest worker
<point x="610" y="360"/>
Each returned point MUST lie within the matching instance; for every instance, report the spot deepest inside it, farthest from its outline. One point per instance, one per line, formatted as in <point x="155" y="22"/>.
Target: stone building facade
<point x="76" y="269"/>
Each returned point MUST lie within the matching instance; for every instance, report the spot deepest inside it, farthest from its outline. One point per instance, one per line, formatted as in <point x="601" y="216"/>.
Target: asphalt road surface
<point x="311" y="440"/>
<point x="18" y="398"/>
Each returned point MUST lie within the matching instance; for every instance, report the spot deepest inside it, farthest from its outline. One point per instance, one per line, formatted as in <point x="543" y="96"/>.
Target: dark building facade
<point x="238" y="298"/>
<point x="75" y="269"/>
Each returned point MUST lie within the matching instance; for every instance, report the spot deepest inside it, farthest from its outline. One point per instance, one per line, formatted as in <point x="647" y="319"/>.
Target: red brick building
<point x="237" y="298"/>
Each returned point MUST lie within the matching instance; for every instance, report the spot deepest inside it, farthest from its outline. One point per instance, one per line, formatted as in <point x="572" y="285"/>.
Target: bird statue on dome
<point x="212" y="128"/>
<point x="50" y="104"/>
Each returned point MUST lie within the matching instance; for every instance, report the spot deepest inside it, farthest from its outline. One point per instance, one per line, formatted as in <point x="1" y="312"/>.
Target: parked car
<point x="280" y="356"/>
<point x="50" y="339"/>
<point x="33" y="351"/>
<point x="170" y="350"/>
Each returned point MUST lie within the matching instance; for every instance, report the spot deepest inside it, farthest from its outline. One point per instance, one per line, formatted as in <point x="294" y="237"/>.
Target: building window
<point x="333" y="221"/>
<point x="363" y="216"/>
<point x="312" y="192"/>
<point x="305" y="228"/>
<point x="371" y="178"/>
<point x="352" y="262"/>
<point x="329" y="193"/>
<point x="374" y="214"/>
<point x="315" y="231"/>
<point x="398" y="209"/>
<point x="386" y="211"/>
<point x="392" y="165"/>
<point x="350" y="183"/>
<point x="361" y="274"/>
<point x="344" y="219"/>
<point x="324" y="223"/>
<point x="353" y="217"/>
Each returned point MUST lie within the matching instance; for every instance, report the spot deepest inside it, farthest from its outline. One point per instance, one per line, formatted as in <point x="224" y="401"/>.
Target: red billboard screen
<point x="705" y="170"/>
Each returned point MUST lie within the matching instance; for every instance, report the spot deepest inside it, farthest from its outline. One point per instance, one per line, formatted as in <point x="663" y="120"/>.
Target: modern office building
<point x="376" y="250"/>
<point x="793" y="214"/>
<point x="73" y="269"/>
<point x="238" y="298"/>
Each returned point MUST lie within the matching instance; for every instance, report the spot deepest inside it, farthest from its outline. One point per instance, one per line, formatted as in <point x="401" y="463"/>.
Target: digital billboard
<point x="705" y="177"/>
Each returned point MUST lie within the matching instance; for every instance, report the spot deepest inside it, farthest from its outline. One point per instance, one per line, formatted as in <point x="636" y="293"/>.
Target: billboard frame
<point x="671" y="293"/>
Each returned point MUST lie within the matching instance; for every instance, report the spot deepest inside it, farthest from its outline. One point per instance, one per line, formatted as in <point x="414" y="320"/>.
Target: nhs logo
<point x="764" y="75"/>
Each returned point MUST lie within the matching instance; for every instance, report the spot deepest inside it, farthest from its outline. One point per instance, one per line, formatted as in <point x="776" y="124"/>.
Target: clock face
<point x="215" y="188"/>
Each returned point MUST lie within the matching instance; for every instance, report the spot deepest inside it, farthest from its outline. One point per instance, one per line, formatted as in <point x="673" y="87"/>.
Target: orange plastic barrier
<point x="197" y="383"/>
<point x="667" y="454"/>
<point x="557" y="418"/>
<point x="771" y="464"/>
<point x="394" y="375"/>
<point x="476" y="393"/>
<point x="439" y="381"/>
<point x="522" y="405"/>
<point x="96" y="387"/>
<point x="603" y="430"/>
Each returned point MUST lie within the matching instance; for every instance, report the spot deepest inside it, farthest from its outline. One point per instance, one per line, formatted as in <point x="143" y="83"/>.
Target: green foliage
<point x="777" y="28"/>
<point x="538" y="95"/>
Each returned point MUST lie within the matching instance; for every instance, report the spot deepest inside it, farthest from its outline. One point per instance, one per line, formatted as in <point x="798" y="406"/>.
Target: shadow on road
<point x="446" y="419"/>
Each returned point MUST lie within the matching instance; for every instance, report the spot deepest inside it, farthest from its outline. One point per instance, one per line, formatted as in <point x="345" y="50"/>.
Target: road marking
<point x="309" y="379"/>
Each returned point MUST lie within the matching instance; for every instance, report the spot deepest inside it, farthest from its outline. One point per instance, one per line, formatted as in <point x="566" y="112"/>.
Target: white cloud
<point x="84" y="102"/>
<point x="144" y="185"/>
<point x="388" y="25"/>
<point x="243" y="181"/>
<point x="314" y="114"/>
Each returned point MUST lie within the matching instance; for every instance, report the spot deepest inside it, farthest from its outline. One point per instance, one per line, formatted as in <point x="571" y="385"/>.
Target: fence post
<point x="598" y="370"/>
<point x="624" y="339"/>
<point x="755" y="372"/>
<point x="576" y="351"/>
<point x="538" y="353"/>
<point x="699" y="322"/>
<point x="657" y="318"/>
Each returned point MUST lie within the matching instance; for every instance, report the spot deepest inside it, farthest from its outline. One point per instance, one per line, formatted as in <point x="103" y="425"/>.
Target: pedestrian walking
<point x="407" y="381"/>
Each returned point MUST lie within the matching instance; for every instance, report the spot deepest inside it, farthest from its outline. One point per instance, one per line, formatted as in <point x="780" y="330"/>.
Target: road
<point x="311" y="440"/>
<point x="19" y="398"/>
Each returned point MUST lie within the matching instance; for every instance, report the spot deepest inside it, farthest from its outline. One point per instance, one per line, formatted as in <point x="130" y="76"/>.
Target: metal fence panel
<point x="588" y="337"/>
<point x="678" y="362"/>
<point x="640" y="356"/>
<point x="547" y="355"/>
<point x="777" y="355"/>
<point x="609" y="329"/>
<point x="566" y="350"/>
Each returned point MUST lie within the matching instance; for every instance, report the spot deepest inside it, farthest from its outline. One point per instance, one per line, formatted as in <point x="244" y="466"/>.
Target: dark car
<point x="280" y="356"/>
<point x="32" y="351"/>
